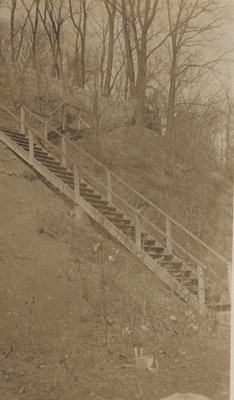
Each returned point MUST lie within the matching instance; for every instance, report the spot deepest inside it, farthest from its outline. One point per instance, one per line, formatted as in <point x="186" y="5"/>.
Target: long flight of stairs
<point x="169" y="267"/>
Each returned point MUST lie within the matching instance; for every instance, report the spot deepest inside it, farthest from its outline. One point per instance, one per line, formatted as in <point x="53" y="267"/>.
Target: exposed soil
<point x="62" y="319"/>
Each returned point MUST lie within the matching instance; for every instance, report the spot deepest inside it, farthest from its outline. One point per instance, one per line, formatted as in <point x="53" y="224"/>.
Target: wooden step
<point x="157" y="251"/>
<point x="156" y="248"/>
<point x="16" y="135"/>
<point x="182" y="274"/>
<point x="22" y="140"/>
<point x="53" y="163"/>
<point x="37" y="151"/>
<point x="113" y="216"/>
<point x="64" y="178"/>
<point x="122" y="221"/>
<point x="104" y="208"/>
<point x="87" y="190"/>
<point x="128" y="232"/>
<point x="90" y="196"/>
<point x="83" y="185"/>
<point x="155" y="255"/>
<point x="96" y="203"/>
<point x="42" y="156"/>
<point x="149" y="242"/>
<point x="39" y="155"/>
<point x="173" y="267"/>
<point x="63" y="173"/>
<point x="192" y="282"/>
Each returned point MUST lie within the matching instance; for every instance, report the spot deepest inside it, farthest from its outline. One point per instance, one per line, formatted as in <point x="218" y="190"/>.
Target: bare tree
<point x="130" y="71"/>
<point x="103" y="56"/>
<point x="188" y="22"/>
<point x="111" y="10"/>
<point x="12" y="29"/>
<point x="100" y="28"/>
<point x="53" y="17"/>
<point x="33" y="16"/>
<point x="3" y="34"/>
<point x="17" y="32"/>
<point x="229" y="159"/>
<point x="79" y="15"/>
<point x="142" y="18"/>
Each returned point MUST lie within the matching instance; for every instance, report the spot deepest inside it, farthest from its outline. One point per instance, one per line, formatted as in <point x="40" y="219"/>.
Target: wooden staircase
<point x="176" y="267"/>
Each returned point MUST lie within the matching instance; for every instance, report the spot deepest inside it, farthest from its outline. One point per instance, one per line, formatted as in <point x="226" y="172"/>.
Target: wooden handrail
<point x="149" y="223"/>
<point x="70" y="158"/>
<point x="127" y="204"/>
<point x="172" y="220"/>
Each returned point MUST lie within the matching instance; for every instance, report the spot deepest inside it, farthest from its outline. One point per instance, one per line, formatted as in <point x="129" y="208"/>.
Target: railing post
<point x="138" y="231"/>
<point x="22" y="120"/>
<point x="108" y="177"/>
<point x="63" y="118"/>
<point x="31" y="147"/>
<point x="78" y="120"/>
<point x="76" y="184"/>
<point x="201" y="289"/>
<point x="168" y="234"/>
<point x="64" y="152"/>
<point x="46" y="129"/>
<point x="230" y="281"/>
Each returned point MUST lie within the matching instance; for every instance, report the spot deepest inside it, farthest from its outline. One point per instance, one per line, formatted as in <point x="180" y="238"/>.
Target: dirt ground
<point x="54" y="344"/>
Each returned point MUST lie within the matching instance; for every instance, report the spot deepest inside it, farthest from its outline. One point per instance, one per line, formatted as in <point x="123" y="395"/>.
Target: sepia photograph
<point x="116" y="199"/>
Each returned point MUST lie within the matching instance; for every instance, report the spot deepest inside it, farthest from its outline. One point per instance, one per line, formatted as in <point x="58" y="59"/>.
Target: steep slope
<point x="67" y="292"/>
<point x="200" y="198"/>
<point x="180" y="273"/>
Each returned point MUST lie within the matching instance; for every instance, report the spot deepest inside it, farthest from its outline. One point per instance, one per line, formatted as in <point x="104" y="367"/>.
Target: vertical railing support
<point x="64" y="152"/>
<point x="230" y="281"/>
<point x="63" y="118"/>
<point x="76" y="185"/>
<point x="78" y="120"/>
<point x="22" y="120"/>
<point x="138" y="231"/>
<point x="168" y="234"/>
<point x="31" y="147"/>
<point x="108" y="178"/>
<point x="201" y="289"/>
<point x="46" y="129"/>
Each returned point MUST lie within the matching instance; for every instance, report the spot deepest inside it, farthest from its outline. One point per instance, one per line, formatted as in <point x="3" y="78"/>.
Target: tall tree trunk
<point x="55" y="73"/>
<point x="34" y="37"/>
<point x="12" y="30"/>
<point x="83" y="45"/>
<point x="141" y="80"/>
<point x="170" y="123"/>
<point x="126" y="84"/>
<point x="102" y="72"/>
<point x="229" y="158"/>
<point x="2" y="58"/>
<point x="80" y="25"/>
<point x="128" y="50"/>
<point x="77" y="58"/>
<point x="111" y="11"/>
<point x="81" y="82"/>
<point x="171" y="104"/>
<point x="110" y="55"/>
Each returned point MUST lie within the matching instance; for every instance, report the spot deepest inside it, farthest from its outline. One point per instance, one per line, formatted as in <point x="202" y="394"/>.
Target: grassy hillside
<point x="197" y="194"/>
<point x="70" y="295"/>
<point x="199" y="197"/>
